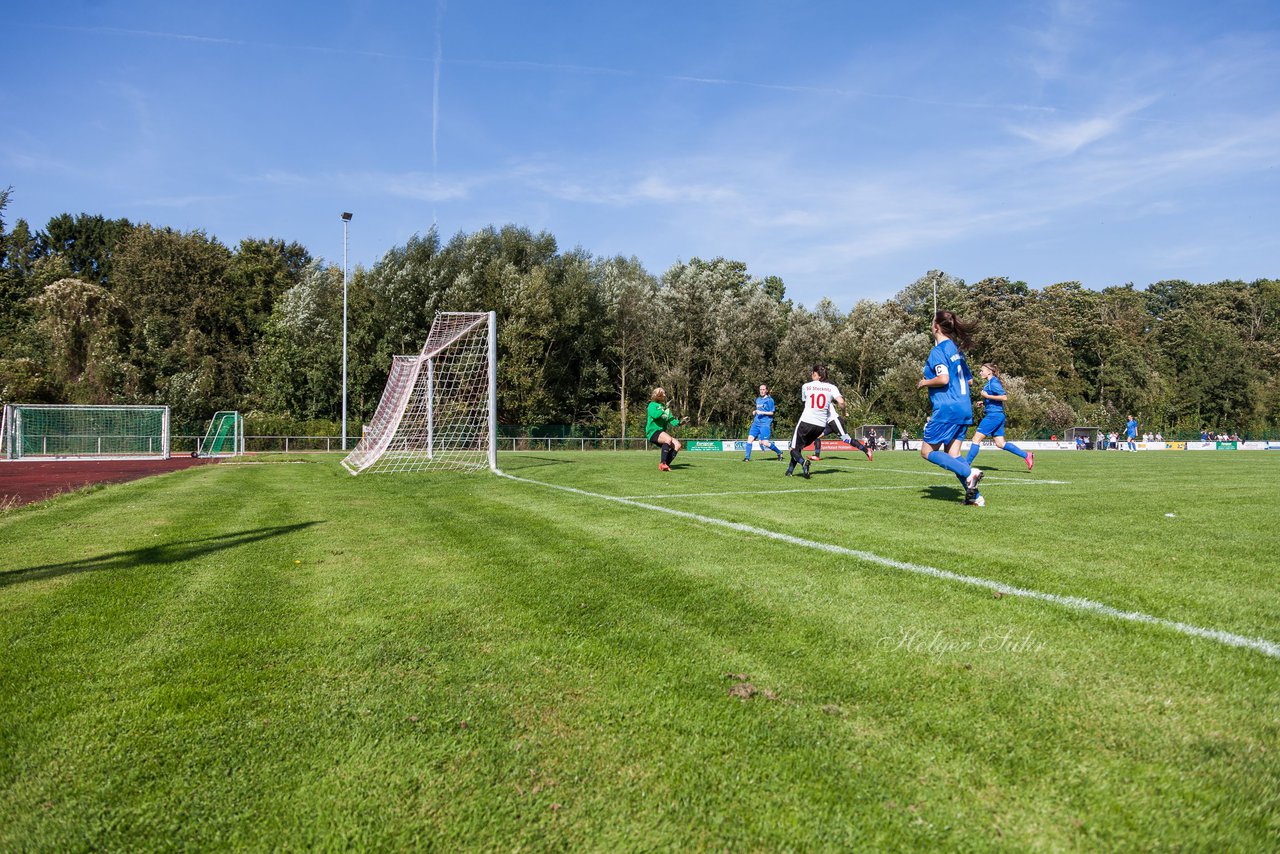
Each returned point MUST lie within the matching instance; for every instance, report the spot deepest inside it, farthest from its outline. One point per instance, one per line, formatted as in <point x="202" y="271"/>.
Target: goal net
<point x="439" y="408"/>
<point x="883" y="436"/>
<point x="58" y="432"/>
<point x="225" y="436"/>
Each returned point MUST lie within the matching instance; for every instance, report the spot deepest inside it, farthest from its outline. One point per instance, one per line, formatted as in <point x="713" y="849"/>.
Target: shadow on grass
<point x="528" y="462"/>
<point x="157" y="555"/>
<point x="950" y="494"/>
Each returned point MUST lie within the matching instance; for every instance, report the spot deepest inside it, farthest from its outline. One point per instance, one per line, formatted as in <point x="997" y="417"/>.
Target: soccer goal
<point x="225" y="436"/>
<point x="884" y="435"/>
<point x="439" y="408"/>
<point x="58" y="432"/>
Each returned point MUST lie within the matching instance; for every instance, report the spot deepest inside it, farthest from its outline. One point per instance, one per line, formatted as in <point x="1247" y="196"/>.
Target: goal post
<point x="225" y="436"/>
<point x="70" y="432"/>
<point x="439" y="409"/>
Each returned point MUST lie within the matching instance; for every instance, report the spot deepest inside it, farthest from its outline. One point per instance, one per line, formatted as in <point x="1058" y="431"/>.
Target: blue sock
<point x="952" y="464"/>
<point x="749" y="444"/>
<point x="1014" y="449"/>
<point x="775" y="449"/>
<point x="974" y="448"/>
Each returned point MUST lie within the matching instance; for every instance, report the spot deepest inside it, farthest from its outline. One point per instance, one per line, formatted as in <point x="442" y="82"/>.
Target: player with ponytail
<point x="992" y="424"/>
<point x="947" y="376"/>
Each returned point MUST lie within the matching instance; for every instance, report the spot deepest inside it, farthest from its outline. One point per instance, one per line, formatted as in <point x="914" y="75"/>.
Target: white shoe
<point x="975" y="477"/>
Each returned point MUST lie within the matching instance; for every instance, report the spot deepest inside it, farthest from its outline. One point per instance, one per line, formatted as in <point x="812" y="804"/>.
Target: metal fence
<point x="330" y="444"/>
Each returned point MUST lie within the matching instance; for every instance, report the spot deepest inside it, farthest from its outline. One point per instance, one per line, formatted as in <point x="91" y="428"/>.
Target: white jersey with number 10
<point x="818" y="397"/>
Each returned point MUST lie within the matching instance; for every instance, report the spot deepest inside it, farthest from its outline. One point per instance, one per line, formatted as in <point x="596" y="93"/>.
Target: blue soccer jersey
<point x="764" y="404"/>
<point x="762" y="425"/>
<point x="994" y="386"/>
<point x="951" y="403"/>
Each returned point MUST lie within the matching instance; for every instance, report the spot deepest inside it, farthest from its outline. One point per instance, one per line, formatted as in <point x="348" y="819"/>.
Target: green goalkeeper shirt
<point x="659" y="419"/>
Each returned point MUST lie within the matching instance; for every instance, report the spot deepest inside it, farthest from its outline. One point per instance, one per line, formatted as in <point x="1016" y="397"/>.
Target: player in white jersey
<point x="818" y="396"/>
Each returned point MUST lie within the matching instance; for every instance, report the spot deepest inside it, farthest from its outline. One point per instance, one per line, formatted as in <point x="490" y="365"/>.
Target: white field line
<point x="268" y="463"/>
<point x="1262" y="645"/>
<point x="938" y="473"/>
<point x="821" y="489"/>
<point x="771" y="491"/>
<point x="920" y="472"/>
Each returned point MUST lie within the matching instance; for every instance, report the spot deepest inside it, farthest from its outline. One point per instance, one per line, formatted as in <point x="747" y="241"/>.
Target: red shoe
<point x="663" y="467"/>
<point x="1031" y="460"/>
<point x="815" y="458"/>
<point x="868" y="453"/>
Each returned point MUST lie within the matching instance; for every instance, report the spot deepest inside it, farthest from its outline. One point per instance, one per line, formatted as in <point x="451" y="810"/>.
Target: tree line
<point x="97" y="310"/>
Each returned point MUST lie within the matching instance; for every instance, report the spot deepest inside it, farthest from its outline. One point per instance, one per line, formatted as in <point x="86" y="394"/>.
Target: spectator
<point x="906" y="440"/>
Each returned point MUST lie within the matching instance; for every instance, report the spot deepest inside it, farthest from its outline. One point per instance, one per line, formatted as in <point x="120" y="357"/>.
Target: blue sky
<point x="847" y="147"/>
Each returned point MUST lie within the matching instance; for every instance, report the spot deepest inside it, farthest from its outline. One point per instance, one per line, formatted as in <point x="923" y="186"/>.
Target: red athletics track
<point x="25" y="482"/>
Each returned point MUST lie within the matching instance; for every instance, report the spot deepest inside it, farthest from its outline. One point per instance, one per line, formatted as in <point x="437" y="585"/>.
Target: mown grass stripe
<point x="1262" y="645"/>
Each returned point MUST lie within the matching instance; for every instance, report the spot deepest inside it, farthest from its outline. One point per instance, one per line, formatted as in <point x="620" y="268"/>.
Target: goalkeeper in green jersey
<point x="660" y="421"/>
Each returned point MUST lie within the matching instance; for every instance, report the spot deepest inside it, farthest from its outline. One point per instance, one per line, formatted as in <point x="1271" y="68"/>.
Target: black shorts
<point x="654" y="437"/>
<point x="805" y="433"/>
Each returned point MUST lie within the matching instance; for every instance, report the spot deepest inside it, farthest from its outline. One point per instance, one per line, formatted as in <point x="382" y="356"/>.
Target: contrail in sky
<point x="438" y="60"/>
<point x="435" y="101"/>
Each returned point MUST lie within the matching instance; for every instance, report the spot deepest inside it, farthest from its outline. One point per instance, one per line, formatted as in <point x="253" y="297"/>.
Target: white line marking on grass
<point x="772" y="491"/>
<point x="823" y="489"/>
<point x="1262" y="645"/>
<point x="946" y="474"/>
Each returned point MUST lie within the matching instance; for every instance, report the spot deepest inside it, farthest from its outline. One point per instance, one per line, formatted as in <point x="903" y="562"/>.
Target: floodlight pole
<point x="346" y="219"/>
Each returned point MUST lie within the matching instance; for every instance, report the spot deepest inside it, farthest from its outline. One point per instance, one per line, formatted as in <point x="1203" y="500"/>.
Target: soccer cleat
<point x="815" y="458"/>
<point x="663" y="467"/>
<point x="1031" y="460"/>
<point x="746" y="459"/>
<point x="976" y="500"/>
<point x="975" y="477"/>
<point x="779" y="457"/>
<point x="804" y="472"/>
<point x="867" y="451"/>
<point x="790" y="470"/>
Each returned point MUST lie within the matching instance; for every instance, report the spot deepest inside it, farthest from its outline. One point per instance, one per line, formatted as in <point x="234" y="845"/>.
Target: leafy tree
<point x="1011" y="333"/>
<point x="86" y="241"/>
<point x="630" y="302"/>
<point x="258" y="273"/>
<point x="82" y="323"/>
<point x="298" y="366"/>
<point x="917" y="298"/>
<point x="187" y="327"/>
<point x="720" y="331"/>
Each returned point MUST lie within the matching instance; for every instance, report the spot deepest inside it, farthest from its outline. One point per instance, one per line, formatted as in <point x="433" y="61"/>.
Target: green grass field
<point x="282" y="656"/>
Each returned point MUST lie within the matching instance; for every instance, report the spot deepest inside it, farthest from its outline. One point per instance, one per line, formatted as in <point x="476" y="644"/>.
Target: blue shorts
<point x="943" y="433"/>
<point x="762" y="430"/>
<point x="992" y="424"/>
